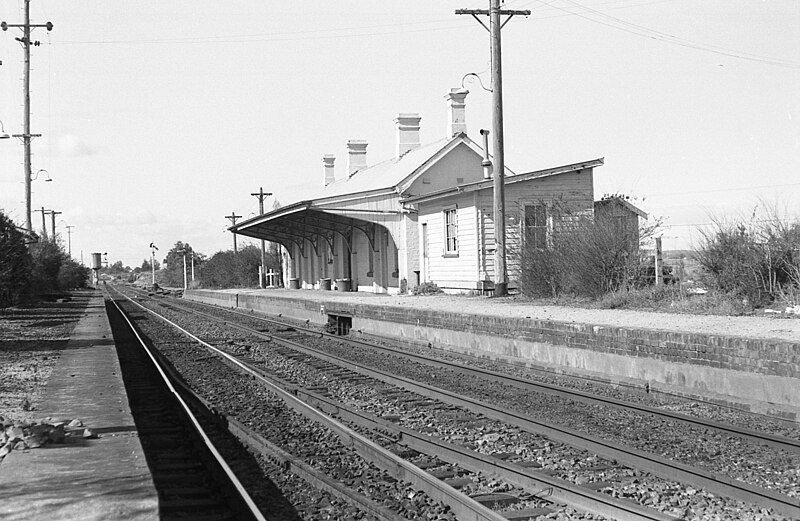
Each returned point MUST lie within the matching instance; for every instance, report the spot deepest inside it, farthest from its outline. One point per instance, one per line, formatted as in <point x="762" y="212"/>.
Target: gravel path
<point x="31" y="341"/>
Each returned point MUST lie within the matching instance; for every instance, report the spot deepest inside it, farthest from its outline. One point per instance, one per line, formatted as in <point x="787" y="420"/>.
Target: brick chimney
<point x="327" y="161"/>
<point x="456" y="112"/>
<point x="356" y="156"/>
<point x="407" y="132"/>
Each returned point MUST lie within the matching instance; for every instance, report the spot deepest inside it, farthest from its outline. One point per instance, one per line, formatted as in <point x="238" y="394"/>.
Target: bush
<point x="228" y="270"/>
<point x="582" y="257"/>
<point x="15" y="263"/>
<point x="757" y="260"/>
<point x="426" y="288"/>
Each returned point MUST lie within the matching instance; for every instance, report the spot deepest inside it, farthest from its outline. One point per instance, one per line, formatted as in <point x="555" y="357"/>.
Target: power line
<point x="715" y="190"/>
<point x="646" y="32"/>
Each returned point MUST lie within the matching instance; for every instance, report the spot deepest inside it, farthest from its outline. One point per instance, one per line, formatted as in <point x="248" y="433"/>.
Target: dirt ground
<point x="31" y="340"/>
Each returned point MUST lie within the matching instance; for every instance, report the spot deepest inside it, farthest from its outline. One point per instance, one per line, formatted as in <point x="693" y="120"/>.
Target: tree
<point x="228" y="270"/>
<point x="15" y="263"/>
<point x="173" y="272"/>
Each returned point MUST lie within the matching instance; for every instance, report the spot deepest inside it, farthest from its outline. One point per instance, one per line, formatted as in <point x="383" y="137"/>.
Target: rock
<point x="75" y="423"/>
<point x="56" y="436"/>
<point x="15" y="433"/>
<point x="35" y="440"/>
<point x="5" y="449"/>
<point x="89" y="435"/>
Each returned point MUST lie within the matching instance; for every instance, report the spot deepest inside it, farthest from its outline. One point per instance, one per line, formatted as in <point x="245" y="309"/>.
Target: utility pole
<point x="26" y="135"/>
<point x="53" y="214"/>
<point x="496" y="24"/>
<point x="263" y="275"/>
<point x="44" y="225"/>
<point x="69" y="240"/>
<point x="233" y="218"/>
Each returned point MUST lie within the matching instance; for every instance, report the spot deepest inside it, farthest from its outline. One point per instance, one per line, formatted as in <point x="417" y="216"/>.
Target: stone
<point x="75" y="423"/>
<point x="15" y="433"/>
<point x="35" y="440"/>
<point x="89" y="435"/>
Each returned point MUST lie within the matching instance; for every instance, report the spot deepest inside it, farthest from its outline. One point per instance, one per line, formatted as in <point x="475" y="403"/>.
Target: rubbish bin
<point x="325" y="284"/>
<point x="294" y="283"/>
<point x="342" y="284"/>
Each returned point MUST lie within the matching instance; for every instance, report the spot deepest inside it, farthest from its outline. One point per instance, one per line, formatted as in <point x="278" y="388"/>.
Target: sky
<point x="158" y="119"/>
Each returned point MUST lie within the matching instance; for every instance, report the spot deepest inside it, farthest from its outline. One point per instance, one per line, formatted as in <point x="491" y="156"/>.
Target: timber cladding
<point x="762" y="356"/>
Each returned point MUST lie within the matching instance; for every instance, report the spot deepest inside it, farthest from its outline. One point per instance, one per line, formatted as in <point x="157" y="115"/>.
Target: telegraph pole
<point x="26" y="135"/>
<point x="233" y="218"/>
<point x="69" y="240"/>
<point x="496" y="24"/>
<point x="53" y="214"/>
<point x="44" y="225"/>
<point x="262" y="278"/>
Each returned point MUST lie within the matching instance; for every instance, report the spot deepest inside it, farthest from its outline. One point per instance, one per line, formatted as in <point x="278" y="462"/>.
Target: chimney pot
<point x="407" y="132"/>
<point x="456" y="112"/>
<point x="356" y="156"/>
<point x="327" y="161"/>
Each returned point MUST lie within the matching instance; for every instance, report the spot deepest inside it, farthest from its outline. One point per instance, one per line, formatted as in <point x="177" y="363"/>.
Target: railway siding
<point x="762" y="375"/>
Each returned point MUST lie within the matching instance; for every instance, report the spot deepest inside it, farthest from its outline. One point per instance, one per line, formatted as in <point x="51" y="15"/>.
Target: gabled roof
<point x="395" y="174"/>
<point x="621" y="201"/>
<point x="509" y="179"/>
<point x="384" y="175"/>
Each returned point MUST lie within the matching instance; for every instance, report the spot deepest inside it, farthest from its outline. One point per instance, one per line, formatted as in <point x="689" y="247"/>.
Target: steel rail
<point x="252" y="509"/>
<point x="559" y="491"/>
<point x="277" y="455"/>
<point x="463" y="506"/>
<point x="776" y="441"/>
<point x="662" y="467"/>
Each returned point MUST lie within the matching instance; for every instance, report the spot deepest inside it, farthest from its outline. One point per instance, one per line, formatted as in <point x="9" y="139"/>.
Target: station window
<point x="451" y="231"/>
<point x="536" y="225"/>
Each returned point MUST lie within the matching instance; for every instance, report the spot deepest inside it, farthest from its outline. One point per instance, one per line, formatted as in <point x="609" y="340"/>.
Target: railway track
<point x="727" y="487"/>
<point x="395" y="474"/>
<point x="447" y="467"/>
<point x="192" y="479"/>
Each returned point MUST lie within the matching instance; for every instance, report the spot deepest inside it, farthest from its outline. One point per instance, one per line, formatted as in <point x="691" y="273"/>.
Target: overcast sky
<point x="160" y="118"/>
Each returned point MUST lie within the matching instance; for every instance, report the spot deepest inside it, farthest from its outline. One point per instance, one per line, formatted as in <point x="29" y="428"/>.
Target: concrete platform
<point x="749" y="362"/>
<point x="103" y="478"/>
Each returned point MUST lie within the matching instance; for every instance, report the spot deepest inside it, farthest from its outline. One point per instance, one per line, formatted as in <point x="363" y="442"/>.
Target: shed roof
<point x="624" y="203"/>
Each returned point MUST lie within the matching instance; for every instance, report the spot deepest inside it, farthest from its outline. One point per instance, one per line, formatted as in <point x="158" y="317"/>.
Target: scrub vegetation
<point x="740" y="265"/>
<point x="32" y="267"/>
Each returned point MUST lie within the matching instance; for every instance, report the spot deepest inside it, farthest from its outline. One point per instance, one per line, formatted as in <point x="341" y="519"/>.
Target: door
<point x="425" y="254"/>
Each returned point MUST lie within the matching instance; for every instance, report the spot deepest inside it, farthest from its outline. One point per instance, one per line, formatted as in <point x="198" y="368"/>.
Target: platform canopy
<point x="302" y="221"/>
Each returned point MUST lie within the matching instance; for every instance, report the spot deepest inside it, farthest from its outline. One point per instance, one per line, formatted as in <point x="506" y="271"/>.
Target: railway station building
<point x="423" y="215"/>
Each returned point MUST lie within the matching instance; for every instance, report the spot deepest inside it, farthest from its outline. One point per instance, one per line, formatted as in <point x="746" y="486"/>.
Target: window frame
<point x="449" y="227"/>
<point x="545" y="227"/>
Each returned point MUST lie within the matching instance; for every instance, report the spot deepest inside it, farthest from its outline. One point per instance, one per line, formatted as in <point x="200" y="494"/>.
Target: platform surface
<point x="104" y="478"/>
<point x="762" y="327"/>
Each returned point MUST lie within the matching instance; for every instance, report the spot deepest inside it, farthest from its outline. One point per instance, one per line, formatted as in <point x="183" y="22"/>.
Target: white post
<point x="185" y="285"/>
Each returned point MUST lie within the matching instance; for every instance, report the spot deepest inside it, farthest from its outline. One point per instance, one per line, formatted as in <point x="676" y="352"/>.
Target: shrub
<point x="15" y="263"/>
<point x="582" y="257"/>
<point x="756" y="259"/>
<point x="426" y="288"/>
<point x="228" y="270"/>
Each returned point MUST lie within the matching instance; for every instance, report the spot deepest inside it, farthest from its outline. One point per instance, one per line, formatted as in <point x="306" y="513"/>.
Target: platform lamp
<point x="3" y="134"/>
<point x="35" y="176"/>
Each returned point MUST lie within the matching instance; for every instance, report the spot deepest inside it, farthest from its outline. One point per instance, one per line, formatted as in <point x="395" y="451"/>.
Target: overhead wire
<point x="647" y="32"/>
